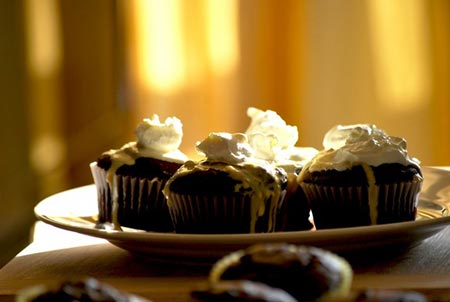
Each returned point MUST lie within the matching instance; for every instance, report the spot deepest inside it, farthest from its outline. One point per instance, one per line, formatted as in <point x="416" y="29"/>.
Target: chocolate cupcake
<point x="362" y="177"/>
<point x="274" y="141"/>
<point x="241" y="291"/>
<point x="226" y="192"/>
<point x="394" y="295"/>
<point x="82" y="290"/>
<point x="130" y="180"/>
<point x="306" y="273"/>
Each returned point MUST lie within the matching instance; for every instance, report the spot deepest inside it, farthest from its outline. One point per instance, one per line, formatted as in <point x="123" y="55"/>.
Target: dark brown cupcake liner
<point x="219" y="214"/>
<point x="335" y="207"/>
<point x="140" y="202"/>
<point x="295" y="211"/>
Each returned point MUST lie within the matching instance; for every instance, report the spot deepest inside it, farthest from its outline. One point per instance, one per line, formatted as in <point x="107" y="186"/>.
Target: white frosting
<point x="154" y="139"/>
<point x="346" y="146"/>
<point x="296" y="157"/>
<point x="269" y="135"/>
<point x="225" y="147"/>
<point x="338" y="136"/>
<point x="163" y="137"/>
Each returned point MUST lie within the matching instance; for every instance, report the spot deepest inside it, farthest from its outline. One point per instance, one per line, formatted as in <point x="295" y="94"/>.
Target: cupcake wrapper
<point x="217" y="214"/>
<point x="103" y="193"/>
<point x="141" y="203"/>
<point x="334" y="207"/>
<point x="294" y="212"/>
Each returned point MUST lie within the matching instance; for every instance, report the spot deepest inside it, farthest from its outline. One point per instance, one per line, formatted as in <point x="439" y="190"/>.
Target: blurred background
<point x="77" y="76"/>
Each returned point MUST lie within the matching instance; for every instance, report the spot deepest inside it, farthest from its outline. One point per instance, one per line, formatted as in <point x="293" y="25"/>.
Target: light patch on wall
<point x="44" y="51"/>
<point x="222" y="22"/>
<point x="47" y="153"/>
<point x="44" y="62"/>
<point x="401" y="54"/>
<point x="159" y="44"/>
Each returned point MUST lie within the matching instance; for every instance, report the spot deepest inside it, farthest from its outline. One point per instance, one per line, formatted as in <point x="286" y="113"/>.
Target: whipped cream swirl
<point x="158" y="136"/>
<point x="225" y="147"/>
<point x="155" y="139"/>
<point x="339" y="135"/>
<point x="346" y="146"/>
<point x="269" y="135"/>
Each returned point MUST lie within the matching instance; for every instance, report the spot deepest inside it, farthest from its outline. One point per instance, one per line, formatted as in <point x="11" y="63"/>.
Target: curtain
<point x="206" y="62"/>
<point x="317" y="63"/>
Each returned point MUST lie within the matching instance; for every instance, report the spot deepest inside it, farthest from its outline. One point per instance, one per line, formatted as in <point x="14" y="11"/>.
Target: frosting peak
<point x="269" y="135"/>
<point x="225" y="147"/>
<point x="340" y="135"/>
<point x="155" y="140"/>
<point x="158" y="136"/>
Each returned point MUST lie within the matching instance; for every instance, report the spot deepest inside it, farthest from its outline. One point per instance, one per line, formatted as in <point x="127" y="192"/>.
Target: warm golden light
<point x="43" y="37"/>
<point x="400" y="53"/>
<point x="159" y="44"/>
<point x="222" y="22"/>
<point x="44" y="64"/>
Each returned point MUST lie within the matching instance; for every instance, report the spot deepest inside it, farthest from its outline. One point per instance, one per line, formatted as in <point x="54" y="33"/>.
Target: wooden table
<point x="74" y="255"/>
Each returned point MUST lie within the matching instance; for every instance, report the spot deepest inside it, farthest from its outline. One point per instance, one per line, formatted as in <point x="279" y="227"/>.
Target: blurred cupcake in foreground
<point x="82" y="290"/>
<point x="307" y="273"/>
<point x="274" y="141"/>
<point x="130" y="180"/>
<point x="362" y="177"/>
<point x="226" y="192"/>
<point x="241" y="291"/>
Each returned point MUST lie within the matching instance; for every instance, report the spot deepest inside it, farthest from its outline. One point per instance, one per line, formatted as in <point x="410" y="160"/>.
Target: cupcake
<point x="363" y="176"/>
<point x="306" y="273"/>
<point x="274" y="141"/>
<point x="241" y="291"/>
<point x="227" y="191"/>
<point x="83" y="290"/>
<point x="130" y="180"/>
<point x="396" y="295"/>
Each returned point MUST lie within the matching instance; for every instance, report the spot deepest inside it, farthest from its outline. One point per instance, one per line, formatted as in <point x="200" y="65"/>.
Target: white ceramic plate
<point x="76" y="210"/>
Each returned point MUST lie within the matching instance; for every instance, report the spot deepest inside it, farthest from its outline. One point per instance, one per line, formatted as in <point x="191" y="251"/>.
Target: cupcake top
<point x="231" y="153"/>
<point x="155" y="139"/>
<point x="347" y="146"/>
<point x="225" y="149"/>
